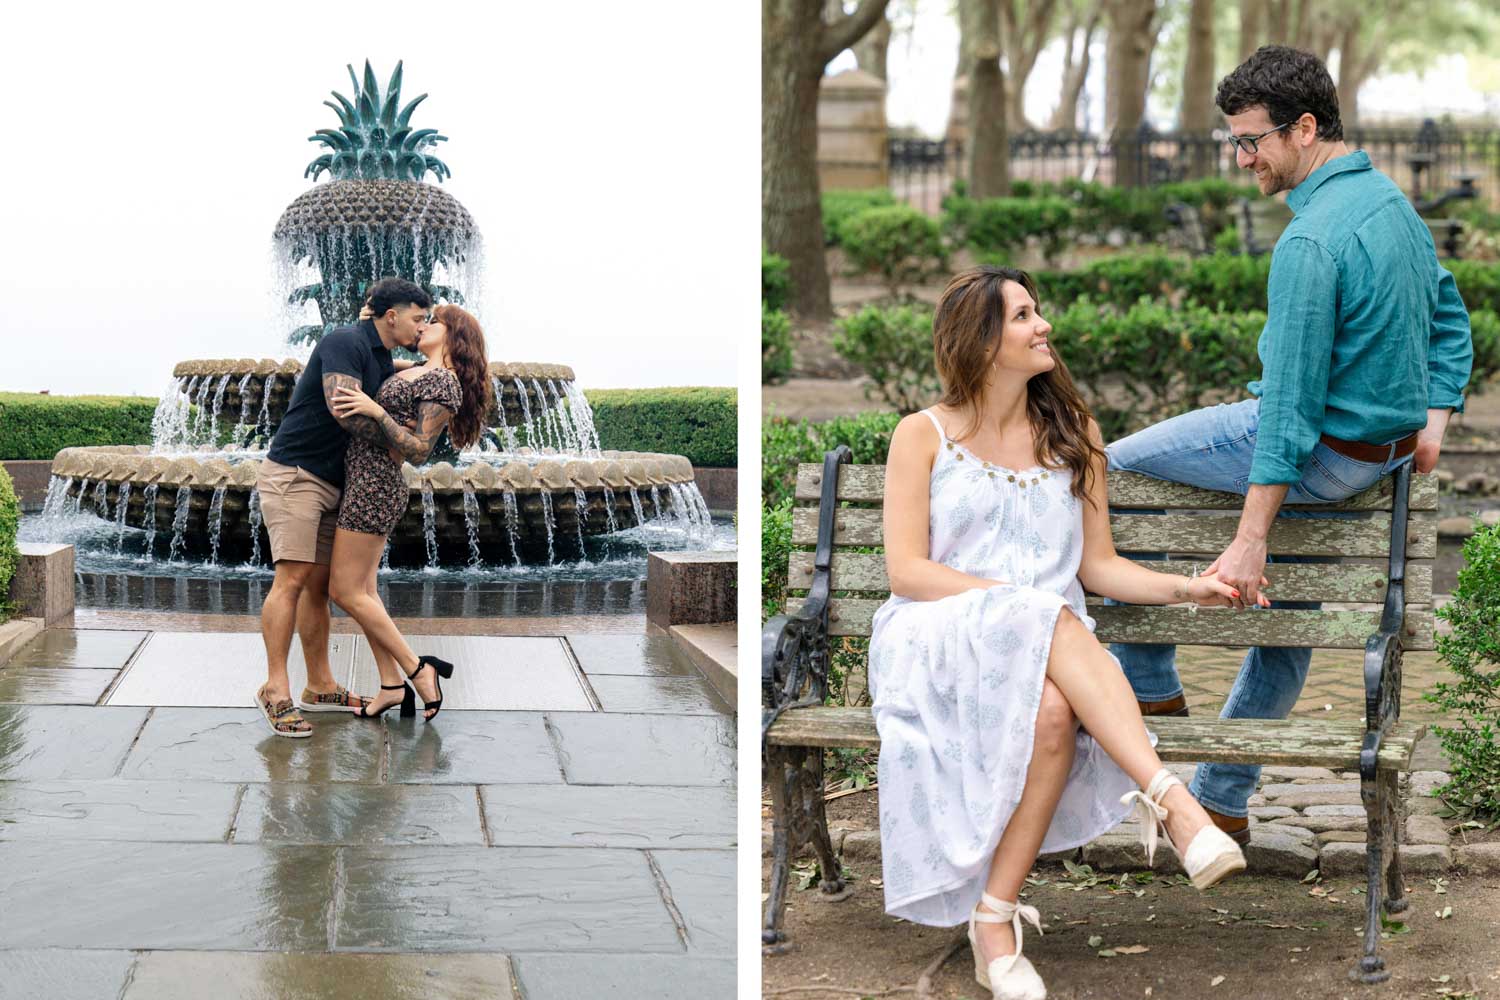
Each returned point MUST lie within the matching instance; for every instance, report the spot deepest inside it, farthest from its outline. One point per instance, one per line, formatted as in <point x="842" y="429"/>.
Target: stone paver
<point x="75" y="894"/>
<point x="58" y="974"/>
<point x="518" y="899"/>
<point x="161" y="851"/>
<point x="473" y="748"/>
<point x="609" y="816"/>
<point x="236" y="744"/>
<point x="181" y="975"/>
<point x="682" y="695"/>
<point x="359" y="814"/>
<point x="38" y="742"/>
<point x="603" y="749"/>
<point x="570" y="977"/>
<point x="116" y="810"/>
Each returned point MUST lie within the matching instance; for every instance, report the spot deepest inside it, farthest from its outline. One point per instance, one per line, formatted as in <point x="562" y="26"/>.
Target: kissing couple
<point x="331" y="491"/>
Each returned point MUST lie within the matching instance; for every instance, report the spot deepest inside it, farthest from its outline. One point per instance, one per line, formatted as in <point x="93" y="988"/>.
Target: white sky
<point x="921" y="67"/>
<point x="608" y="153"/>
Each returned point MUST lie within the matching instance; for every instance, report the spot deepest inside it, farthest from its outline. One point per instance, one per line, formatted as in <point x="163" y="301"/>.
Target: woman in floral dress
<point x="983" y="664"/>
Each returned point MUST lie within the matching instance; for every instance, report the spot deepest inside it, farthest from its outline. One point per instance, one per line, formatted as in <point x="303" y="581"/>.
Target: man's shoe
<point x="1238" y="827"/>
<point x="1172" y="706"/>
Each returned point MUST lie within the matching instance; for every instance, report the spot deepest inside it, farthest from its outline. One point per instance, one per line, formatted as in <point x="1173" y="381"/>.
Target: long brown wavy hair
<point x="466" y="352"/>
<point x="966" y="331"/>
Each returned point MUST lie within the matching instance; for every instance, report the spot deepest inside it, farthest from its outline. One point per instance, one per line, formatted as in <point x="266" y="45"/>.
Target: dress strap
<point x="936" y="423"/>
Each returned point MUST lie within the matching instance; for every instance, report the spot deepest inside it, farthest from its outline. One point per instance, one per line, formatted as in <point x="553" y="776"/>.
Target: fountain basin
<point x="492" y="507"/>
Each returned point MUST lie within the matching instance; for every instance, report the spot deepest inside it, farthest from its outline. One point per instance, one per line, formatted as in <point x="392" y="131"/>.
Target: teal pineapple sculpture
<point x="376" y="216"/>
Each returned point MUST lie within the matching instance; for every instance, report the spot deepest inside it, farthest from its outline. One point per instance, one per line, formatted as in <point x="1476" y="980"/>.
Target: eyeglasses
<point x="1250" y="144"/>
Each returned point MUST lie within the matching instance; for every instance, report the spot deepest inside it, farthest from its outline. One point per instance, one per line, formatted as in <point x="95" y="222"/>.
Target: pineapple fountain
<point x="535" y="490"/>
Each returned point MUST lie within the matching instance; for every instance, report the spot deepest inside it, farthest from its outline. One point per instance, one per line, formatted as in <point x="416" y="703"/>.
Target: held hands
<point x="349" y="402"/>
<point x="1242" y="568"/>
<point x="1210" y="591"/>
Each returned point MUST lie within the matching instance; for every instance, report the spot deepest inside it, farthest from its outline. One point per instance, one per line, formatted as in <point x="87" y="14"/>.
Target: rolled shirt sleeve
<point x="1450" y="350"/>
<point x="1296" y="349"/>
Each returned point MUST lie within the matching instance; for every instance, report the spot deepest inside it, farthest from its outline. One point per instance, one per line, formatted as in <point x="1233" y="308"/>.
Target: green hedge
<point x="841" y="206"/>
<point x="897" y="242"/>
<point x="785" y="443"/>
<point x="699" y="422"/>
<point x="775" y="344"/>
<point x="775" y="279"/>
<point x="38" y="427"/>
<point x="10" y="519"/>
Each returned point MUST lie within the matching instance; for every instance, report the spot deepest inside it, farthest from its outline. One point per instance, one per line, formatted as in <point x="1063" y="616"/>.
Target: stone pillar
<point x="691" y="588"/>
<point x="852" y="132"/>
<point x="43" y="584"/>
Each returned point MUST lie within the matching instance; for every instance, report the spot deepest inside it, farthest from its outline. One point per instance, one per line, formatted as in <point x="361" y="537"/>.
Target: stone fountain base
<point x="534" y="508"/>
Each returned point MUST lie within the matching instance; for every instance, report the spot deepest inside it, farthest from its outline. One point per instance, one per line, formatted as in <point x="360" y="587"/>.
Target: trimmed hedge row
<point x="33" y="426"/>
<point x="700" y="422"/>
<point x="1221" y="281"/>
<point x="841" y="206"/>
<point x="10" y="557"/>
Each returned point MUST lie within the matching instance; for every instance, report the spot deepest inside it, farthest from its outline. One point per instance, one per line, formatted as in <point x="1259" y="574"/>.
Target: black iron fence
<point x="1425" y="161"/>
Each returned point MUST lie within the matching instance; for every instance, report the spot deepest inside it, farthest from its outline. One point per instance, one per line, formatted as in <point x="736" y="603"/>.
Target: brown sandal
<point x="337" y="700"/>
<point x="282" y="716"/>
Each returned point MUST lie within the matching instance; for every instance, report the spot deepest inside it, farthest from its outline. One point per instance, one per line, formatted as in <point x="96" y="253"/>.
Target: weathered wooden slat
<point x="1345" y="583"/>
<point x="1209" y="534"/>
<point x="866" y="484"/>
<point x="1309" y="742"/>
<point x="1196" y="626"/>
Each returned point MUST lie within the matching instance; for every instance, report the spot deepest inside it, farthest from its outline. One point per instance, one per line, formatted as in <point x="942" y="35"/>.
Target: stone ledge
<point x="714" y="651"/>
<point x="43" y="585"/>
<point x="1348" y="859"/>
<point x="1481" y="858"/>
<point x="30" y="478"/>
<point x="15" y="634"/>
<point x="691" y="588"/>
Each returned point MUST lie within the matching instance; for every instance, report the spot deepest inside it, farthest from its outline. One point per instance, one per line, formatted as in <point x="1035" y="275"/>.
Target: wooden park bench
<point x="842" y="583"/>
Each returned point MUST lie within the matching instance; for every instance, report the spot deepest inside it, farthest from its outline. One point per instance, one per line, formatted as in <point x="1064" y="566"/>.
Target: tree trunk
<point x="1352" y="73"/>
<point x="1252" y="26"/>
<point x="1026" y="27"/>
<point x="874" y="49"/>
<point x="1131" y="39"/>
<point x="1197" y="117"/>
<point x="988" y="151"/>
<point x="796" y="45"/>
<point x="1278" y="29"/>
<point x="1076" y="73"/>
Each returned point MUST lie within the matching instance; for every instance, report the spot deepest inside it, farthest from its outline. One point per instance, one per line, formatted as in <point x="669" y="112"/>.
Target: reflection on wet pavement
<point x="147" y="850"/>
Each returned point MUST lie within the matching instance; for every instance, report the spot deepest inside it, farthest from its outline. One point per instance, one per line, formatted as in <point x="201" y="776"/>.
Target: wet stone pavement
<point x="178" y="849"/>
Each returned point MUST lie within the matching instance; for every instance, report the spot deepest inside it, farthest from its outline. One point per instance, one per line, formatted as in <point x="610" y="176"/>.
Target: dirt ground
<point x="1251" y="938"/>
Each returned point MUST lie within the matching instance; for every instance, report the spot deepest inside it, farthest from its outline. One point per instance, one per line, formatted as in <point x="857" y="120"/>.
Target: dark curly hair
<point x="1287" y="83"/>
<point x="466" y="352"/>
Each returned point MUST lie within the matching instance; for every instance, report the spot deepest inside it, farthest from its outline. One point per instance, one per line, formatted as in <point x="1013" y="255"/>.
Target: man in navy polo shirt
<point x="300" y="483"/>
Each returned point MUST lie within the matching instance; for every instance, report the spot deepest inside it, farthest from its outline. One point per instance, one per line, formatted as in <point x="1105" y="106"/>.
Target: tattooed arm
<point x="354" y="423"/>
<point x="414" y="444"/>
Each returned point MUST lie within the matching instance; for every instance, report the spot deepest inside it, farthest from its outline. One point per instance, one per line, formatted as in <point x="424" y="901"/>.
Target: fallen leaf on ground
<point x="1216" y="980"/>
<point x="1095" y="941"/>
<point x="1133" y="949"/>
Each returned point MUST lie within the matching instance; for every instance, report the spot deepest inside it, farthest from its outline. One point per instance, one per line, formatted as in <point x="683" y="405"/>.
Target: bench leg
<point x="1385" y="890"/>
<point x="797" y="820"/>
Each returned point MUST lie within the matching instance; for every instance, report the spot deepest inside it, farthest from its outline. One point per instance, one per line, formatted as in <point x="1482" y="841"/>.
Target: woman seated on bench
<point x="983" y="664"/>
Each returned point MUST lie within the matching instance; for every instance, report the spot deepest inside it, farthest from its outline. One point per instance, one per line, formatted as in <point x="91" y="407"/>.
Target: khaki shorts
<point x="299" y="510"/>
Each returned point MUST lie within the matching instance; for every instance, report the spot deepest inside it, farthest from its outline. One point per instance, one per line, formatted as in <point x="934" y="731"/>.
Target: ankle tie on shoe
<point x="1008" y="912"/>
<point x="1149" y="812"/>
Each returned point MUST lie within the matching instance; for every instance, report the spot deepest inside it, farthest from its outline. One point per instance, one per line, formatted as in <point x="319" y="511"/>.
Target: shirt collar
<point x="372" y="334"/>
<point x="1302" y="193"/>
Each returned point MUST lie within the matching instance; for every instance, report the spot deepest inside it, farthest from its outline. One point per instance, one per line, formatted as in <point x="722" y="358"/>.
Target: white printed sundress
<point x="956" y="684"/>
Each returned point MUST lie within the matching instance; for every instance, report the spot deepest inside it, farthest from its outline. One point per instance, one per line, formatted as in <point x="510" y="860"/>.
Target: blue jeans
<point x="1212" y="448"/>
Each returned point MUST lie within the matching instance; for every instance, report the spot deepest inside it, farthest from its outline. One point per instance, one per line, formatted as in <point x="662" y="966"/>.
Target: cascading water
<point x="635" y="503"/>
<point x="213" y="424"/>
<point x="101" y="499"/>
<point x="581" y="505"/>
<point x="512" y="530"/>
<point x="242" y="429"/>
<point x="547" y="518"/>
<point x="583" y="416"/>
<point x="57" y="496"/>
<point x="148" y="505"/>
<point x="263" y="419"/>
<point x="471" y="525"/>
<point x="215" y="524"/>
<point x="655" y="502"/>
<point x="77" y="507"/>
<point x="609" y="509"/>
<point x="255" y="522"/>
<point x="526" y="412"/>
<point x="429" y="525"/>
<point x="179" y="522"/>
<point x="122" y="507"/>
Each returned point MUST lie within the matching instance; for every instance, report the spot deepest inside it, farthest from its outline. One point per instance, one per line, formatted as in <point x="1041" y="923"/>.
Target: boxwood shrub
<point x="34" y="426"/>
<point x="699" y="422"/>
<point x="10" y="519"/>
<point x="841" y="206"/>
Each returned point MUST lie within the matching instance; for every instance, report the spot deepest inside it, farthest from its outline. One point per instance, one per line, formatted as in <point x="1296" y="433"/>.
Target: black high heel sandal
<point x="443" y="669"/>
<point x="408" y="703"/>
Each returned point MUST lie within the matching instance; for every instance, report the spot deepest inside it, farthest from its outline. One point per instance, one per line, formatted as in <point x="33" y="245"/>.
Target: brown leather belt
<point x="1361" y="452"/>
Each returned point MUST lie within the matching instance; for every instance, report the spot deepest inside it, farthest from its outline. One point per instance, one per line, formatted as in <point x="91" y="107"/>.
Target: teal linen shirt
<point x="1364" y="331"/>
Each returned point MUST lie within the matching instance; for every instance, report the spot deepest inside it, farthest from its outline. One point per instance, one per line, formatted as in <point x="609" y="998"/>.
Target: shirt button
<point x="1010" y="479"/>
<point x="959" y="457"/>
